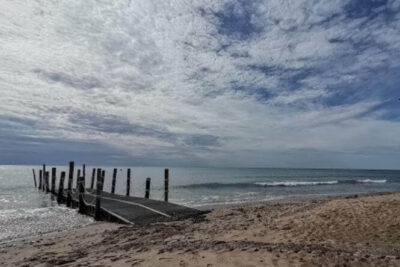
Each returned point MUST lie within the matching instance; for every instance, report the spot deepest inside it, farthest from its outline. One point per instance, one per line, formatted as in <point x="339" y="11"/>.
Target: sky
<point x="245" y="83"/>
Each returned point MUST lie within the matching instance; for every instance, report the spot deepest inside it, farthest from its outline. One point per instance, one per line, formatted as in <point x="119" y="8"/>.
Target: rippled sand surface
<point x="361" y="230"/>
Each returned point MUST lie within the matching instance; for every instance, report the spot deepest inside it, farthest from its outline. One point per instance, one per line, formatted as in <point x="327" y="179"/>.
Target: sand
<point x="359" y="230"/>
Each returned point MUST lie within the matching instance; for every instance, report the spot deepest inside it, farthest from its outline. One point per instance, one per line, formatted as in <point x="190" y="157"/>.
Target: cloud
<point x="84" y="82"/>
<point x="204" y="82"/>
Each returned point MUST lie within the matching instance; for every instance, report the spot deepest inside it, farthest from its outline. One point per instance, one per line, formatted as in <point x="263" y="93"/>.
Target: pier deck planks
<point x="138" y="210"/>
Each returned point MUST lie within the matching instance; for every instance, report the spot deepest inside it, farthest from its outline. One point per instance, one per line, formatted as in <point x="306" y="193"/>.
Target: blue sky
<point x="263" y="83"/>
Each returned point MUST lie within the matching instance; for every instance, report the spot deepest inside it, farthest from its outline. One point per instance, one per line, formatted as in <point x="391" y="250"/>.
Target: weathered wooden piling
<point x="128" y="182"/>
<point x="147" y="193"/>
<point x="114" y="179"/>
<point x="34" y="177"/>
<point x="53" y="180"/>
<point x="47" y="189"/>
<point x="44" y="169"/>
<point x="84" y="170"/>
<point x="44" y="182"/>
<point x="70" y="180"/>
<point x="40" y="179"/>
<point x="98" y="175"/>
<point x="44" y="177"/>
<point x="81" y="188"/>
<point x="60" y="196"/>
<point x="166" y="184"/>
<point x="77" y="176"/>
<point x="83" y="182"/>
<point x="93" y="176"/>
<point x="99" y="188"/>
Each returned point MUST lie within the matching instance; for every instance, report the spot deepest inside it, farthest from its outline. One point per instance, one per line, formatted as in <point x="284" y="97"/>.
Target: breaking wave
<point x="278" y="183"/>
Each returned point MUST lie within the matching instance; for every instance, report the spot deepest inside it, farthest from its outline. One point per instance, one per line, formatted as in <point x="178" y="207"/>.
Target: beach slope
<point x="361" y="230"/>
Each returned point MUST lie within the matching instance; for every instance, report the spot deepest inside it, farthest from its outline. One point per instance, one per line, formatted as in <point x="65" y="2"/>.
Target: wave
<point x="279" y="184"/>
<point x="296" y="183"/>
<point x="372" y="181"/>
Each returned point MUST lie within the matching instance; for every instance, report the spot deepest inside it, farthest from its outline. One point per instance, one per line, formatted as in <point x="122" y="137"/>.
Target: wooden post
<point x="44" y="182"/>
<point x="77" y="176"/>
<point x="98" y="175"/>
<point x="83" y="182"/>
<point x="81" y="188"/>
<point x="114" y="179"/>
<point x="53" y="180"/>
<point x="60" y="195"/>
<point x="93" y="175"/>
<point x="166" y="184"/>
<point x="70" y="179"/>
<point x="48" y="181"/>
<point x="47" y="189"/>
<point x="128" y="182"/>
<point x="147" y="194"/>
<point x="99" y="188"/>
<point x="40" y="179"/>
<point x="34" y="177"/>
<point x="84" y="171"/>
<point x="44" y="177"/>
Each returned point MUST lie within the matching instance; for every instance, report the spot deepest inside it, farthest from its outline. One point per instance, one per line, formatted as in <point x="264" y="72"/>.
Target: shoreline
<point x="211" y="208"/>
<point x="295" y="198"/>
<point x="352" y="230"/>
<point x="202" y="208"/>
<point x="34" y="238"/>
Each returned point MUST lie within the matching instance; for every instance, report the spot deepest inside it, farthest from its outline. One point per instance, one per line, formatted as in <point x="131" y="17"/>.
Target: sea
<point x="26" y="212"/>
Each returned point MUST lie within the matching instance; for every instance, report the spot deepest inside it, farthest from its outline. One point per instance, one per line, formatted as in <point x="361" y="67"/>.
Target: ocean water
<point x="26" y="212"/>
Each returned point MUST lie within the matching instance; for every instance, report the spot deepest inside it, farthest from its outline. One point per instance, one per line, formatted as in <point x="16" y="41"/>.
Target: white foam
<point x="372" y="181"/>
<point x="296" y="183"/>
<point x="4" y="200"/>
<point x="25" y="222"/>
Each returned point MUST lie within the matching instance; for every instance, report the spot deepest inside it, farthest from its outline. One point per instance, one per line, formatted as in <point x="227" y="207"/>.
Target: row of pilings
<point x="66" y="196"/>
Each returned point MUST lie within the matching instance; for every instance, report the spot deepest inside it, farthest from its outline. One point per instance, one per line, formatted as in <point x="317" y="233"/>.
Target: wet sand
<point x="358" y="230"/>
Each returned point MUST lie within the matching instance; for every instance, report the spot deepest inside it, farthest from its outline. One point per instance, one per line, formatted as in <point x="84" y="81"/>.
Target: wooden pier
<point x="110" y="206"/>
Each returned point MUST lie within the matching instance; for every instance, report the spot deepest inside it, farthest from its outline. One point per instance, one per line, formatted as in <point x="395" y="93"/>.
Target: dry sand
<point x="338" y="231"/>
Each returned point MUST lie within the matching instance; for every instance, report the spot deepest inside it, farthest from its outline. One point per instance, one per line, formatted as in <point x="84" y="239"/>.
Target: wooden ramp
<point x="109" y="206"/>
<point x="133" y="210"/>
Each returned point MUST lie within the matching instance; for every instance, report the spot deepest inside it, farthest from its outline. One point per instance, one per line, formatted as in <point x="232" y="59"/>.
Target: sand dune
<point x="338" y="231"/>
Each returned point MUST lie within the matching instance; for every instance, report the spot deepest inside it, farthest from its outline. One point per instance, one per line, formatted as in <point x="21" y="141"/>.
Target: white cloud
<point x="164" y="65"/>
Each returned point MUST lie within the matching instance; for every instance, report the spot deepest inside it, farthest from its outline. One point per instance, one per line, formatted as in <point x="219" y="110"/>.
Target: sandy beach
<point x="356" y="230"/>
